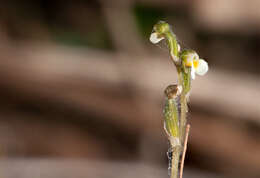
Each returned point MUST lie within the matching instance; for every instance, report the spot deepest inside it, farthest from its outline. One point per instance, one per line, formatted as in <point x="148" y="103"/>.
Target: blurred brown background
<point x="81" y="88"/>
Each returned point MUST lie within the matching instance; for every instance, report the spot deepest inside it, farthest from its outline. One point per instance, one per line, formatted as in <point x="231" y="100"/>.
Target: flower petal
<point x="192" y="73"/>
<point x="189" y="58"/>
<point x="154" y="38"/>
<point x="202" y="67"/>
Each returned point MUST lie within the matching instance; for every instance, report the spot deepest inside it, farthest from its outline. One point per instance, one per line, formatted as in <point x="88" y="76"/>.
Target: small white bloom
<point x="190" y="58"/>
<point x="200" y="67"/>
<point x="192" y="73"/>
<point x="154" y="38"/>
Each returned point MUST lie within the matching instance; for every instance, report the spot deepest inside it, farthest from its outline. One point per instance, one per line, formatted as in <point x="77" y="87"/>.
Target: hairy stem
<point x="175" y="161"/>
<point x="183" y="101"/>
<point x="175" y="118"/>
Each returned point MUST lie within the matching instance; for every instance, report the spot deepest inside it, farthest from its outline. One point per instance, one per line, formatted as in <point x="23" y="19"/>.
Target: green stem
<point x="183" y="119"/>
<point x="182" y="80"/>
<point x="175" y="118"/>
<point x="171" y="116"/>
<point x="183" y="101"/>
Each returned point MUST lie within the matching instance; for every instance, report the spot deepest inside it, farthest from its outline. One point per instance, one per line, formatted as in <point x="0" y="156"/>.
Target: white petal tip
<point x="154" y="38"/>
<point x="192" y="73"/>
<point x="202" y="67"/>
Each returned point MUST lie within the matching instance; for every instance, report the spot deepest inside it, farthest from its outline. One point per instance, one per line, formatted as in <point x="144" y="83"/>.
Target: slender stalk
<point x="171" y="116"/>
<point x="183" y="101"/>
<point x="173" y="46"/>
<point x="175" y="161"/>
<point x="183" y="119"/>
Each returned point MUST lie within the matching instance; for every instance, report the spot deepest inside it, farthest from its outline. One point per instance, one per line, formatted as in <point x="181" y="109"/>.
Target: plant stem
<point x="184" y="108"/>
<point x="171" y="119"/>
<point x="175" y="161"/>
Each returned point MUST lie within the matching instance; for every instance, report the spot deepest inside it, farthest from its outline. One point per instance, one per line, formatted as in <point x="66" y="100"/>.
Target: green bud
<point x="161" y="28"/>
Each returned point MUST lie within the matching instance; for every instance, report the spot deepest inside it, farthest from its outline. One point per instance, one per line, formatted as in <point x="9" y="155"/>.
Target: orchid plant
<point x="188" y="64"/>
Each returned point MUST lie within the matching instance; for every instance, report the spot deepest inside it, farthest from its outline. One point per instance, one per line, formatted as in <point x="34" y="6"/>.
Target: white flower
<point x="198" y="66"/>
<point x="155" y="39"/>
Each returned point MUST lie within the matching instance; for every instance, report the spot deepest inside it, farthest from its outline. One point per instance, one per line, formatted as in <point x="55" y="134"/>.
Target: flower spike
<point x="188" y="64"/>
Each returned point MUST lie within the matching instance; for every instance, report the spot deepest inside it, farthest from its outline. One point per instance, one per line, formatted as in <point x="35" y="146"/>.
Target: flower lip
<point x="192" y="73"/>
<point x="154" y="38"/>
<point x="202" y="68"/>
